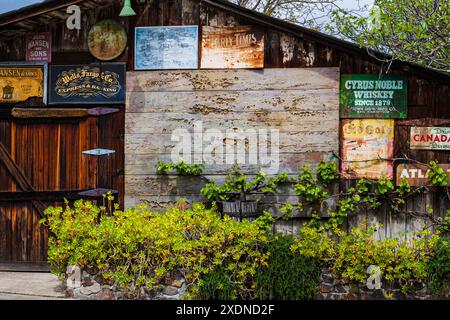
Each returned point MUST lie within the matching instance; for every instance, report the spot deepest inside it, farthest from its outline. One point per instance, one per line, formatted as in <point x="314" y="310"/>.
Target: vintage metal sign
<point x="373" y="96"/>
<point x="39" y="47"/>
<point x="430" y="138"/>
<point x="366" y="146"/>
<point x="20" y="81"/>
<point x="172" y="47"/>
<point x="417" y="174"/>
<point x="107" y="40"/>
<point x="79" y="84"/>
<point x="232" y="47"/>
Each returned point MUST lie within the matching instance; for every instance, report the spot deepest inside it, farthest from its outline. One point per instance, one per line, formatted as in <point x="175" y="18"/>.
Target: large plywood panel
<point x="298" y="106"/>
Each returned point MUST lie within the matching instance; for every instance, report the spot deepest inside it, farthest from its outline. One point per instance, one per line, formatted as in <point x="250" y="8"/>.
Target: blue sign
<point x="93" y="83"/>
<point x="162" y="48"/>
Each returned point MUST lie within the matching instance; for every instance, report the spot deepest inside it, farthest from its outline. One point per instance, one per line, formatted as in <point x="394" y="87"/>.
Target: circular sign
<point x="107" y="40"/>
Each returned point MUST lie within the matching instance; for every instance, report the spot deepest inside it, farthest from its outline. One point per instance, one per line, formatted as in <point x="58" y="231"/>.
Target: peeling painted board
<point x="417" y="174"/>
<point x="166" y="47"/>
<point x="289" y="162"/>
<point x="152" y="184"/>
<point x="227" y="102"/>
<point x="377" y="218"/>
<point x="283" y="227"/>
<point x="232" y="80"/>
<point x="138" y="143"/>
<point x="414" y="223"/>
<point x="396" y="225"/>
<point x="364" y="143"/>
<point x="358" y="219"/>
<point x="285" y="122"/>
<point x="158" y="203"/>
<point x="232" y="47"/>
<point x="167" y="106"/>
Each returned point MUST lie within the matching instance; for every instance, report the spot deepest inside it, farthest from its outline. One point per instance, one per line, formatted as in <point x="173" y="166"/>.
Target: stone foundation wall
<point x="331" y="288"/>
<point x="91" y="286"/>
<point x="83" y="285"/>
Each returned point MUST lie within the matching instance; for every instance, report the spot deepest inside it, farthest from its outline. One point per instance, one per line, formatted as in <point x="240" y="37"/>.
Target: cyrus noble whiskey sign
<point x="80" y="84"/>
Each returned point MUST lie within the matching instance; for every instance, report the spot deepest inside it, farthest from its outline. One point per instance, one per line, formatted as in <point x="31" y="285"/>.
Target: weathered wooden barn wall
<point x="291" y="101"/>
<point x="45" y="154"/>
<point x="427" y="98"/>
<point x="285" y="47"/>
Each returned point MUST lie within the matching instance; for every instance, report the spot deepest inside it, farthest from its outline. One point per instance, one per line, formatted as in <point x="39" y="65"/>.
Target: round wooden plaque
<point x="107" y="40"/>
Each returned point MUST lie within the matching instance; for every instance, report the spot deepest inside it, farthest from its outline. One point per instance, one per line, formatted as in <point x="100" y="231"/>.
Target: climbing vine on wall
<point x="313" y="187"/>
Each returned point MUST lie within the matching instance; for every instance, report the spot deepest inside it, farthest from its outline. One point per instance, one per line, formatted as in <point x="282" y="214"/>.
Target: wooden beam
<point x="35" y="10"/>
<point x="40" y="195"/>
<point x="424" y="122"/>
<point x="49" y="113"/>
<point x="18" y="176"/>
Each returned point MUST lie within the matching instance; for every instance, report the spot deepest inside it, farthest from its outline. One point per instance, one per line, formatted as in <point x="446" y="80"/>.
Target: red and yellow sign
<point x="366" y="144"/>
<point x="20" y="83"/>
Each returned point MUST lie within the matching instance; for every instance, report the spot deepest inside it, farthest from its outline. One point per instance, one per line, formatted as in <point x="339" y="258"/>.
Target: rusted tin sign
<point x="39" y="47"/>
<point x="21" y="81"/>
<point x="373" y="96"/>
<point x="168" y="47"/>
<point x="366" y="146"/>
<point x="232" y="47"/>
<point x="417" y="174"/>
<point x="430" y="138"/>
<point x="81" y="84"/>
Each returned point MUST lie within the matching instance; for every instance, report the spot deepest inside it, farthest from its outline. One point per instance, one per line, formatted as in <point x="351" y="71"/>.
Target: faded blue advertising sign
<point x="162" y="48"/>
<point x="92" y="83"/>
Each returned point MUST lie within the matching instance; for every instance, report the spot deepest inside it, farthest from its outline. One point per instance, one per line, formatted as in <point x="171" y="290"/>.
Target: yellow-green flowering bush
<point x="349" y="255"/>
<point x="140" y="248"/>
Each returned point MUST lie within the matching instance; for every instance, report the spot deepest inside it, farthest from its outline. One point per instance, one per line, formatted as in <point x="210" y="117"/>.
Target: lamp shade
<point x="127" y="10"/>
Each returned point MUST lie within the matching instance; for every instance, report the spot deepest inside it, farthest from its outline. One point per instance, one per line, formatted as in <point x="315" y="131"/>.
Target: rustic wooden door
<point x="41" y="163"/>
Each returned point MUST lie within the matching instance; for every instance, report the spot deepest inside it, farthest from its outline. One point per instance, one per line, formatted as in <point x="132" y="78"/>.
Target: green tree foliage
<point x="409" y="30"/>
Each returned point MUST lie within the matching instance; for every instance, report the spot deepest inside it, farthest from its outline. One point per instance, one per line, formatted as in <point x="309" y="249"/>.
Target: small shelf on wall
<point x="98" y="152"/>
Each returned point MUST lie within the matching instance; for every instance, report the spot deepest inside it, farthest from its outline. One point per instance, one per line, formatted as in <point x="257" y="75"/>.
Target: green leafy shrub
<point x="182" y="168"/>
<point x="349" y="255"/>
<point x="288" y="275"/>
<point x="217" y="285"/>
<point x="139" y="248"/>
<point x="439" y="268"/>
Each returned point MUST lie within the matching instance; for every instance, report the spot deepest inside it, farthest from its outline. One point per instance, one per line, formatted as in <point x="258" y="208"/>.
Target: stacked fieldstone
<point x="332" y="288"/>
<point x="91" y="285"/>
<point x="85" y="285"/>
